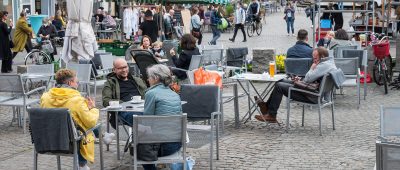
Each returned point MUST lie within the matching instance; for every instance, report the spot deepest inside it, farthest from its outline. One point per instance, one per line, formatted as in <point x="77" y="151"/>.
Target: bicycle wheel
<point x="250" y="29"/>
<point x="259" y="28"/>
<point x="37" y="57"/>
<point x="377" y="73"/>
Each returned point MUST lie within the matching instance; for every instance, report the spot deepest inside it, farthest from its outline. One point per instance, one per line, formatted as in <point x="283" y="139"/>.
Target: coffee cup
<point x="136" y="98"/>
<point x="114" y="103"/>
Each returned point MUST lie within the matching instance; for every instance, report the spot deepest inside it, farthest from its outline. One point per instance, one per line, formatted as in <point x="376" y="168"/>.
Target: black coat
<point x="5" y="51"/>
<point x="338" y="20"/>
<point x="183" y="62"/>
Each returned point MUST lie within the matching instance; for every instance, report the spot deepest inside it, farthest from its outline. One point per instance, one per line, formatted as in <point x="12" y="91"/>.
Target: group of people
<point x="120" y="86"/>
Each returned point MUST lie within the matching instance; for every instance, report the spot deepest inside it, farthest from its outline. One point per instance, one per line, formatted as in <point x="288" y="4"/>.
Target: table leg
<point x="117" y="129"/>
<point x="236" y="105"/>
<point x="108" y="128"/>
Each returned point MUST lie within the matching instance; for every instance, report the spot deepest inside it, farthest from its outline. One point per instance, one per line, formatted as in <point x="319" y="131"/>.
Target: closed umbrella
<point x="80" y="40"/>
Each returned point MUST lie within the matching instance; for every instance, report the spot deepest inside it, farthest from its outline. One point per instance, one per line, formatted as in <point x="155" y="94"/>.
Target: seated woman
<point x="145" y="44"/>
<point x="321" y="66"/>
<point x="161" y="100"/>
<point x="83" y="111"/>
<point x="188" y="45"/>
<point x="341" y="39"/>
<point x="325" y="42"/>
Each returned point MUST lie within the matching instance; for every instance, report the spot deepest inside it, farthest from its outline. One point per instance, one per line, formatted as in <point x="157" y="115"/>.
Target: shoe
<point x="293" y="35"/>
<point x="231" y="39"/>
<point x="244" y="40"/>
<point x="312" y="26"/>
<point x="269" y="118"/>
<point x="84" y="168"/>
<point x="262" y="105"/>
<point x="209" y="43"/>
<point x="108" y="138"/>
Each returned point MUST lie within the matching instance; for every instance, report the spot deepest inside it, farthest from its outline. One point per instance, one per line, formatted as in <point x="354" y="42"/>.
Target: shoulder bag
<point x="195" y="31"/>
<point x="312" y="87"/>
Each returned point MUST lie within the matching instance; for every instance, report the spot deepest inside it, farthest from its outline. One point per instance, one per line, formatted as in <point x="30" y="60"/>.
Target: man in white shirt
<point x="240" y="18"/>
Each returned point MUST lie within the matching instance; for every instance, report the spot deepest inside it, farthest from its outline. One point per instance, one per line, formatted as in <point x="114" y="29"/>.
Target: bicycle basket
<point x="48" y="48"/>
<point x="381" y="50"/>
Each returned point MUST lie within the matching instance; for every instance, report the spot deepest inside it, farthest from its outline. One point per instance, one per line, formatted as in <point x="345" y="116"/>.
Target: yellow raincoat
<point x="85" y="118"/>
<point x="21" y="35"/>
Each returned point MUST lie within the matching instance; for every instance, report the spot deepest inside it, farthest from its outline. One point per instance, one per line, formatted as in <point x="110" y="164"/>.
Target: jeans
<point x="216" y="34"/>
<point x="165" y="150"/>
<point x="127" y="117"/>
<point x="289" y="25"/>
<point x="282" y="88"/>
<point x="239" y="26"/>
<point x="82" y="161"/>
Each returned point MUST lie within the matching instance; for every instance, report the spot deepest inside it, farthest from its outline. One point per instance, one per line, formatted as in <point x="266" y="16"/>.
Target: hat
<point x="148" y="13"/>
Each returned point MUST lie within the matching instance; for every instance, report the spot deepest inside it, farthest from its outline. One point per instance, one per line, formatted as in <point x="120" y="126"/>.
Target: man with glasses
<point x="122" y="86"/>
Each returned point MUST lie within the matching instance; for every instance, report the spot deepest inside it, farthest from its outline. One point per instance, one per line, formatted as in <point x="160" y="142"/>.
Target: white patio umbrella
<point x="79" y="41"/>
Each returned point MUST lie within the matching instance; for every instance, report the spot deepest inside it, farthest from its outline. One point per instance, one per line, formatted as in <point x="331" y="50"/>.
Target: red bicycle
<point x="382" y="70"/>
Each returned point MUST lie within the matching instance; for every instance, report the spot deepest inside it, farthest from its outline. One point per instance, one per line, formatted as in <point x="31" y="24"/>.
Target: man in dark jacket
<point x="121" y="86"/>
<point x="301" y="49"/>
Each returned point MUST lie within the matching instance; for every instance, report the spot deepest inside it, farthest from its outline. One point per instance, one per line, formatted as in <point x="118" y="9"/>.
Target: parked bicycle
<point x="382" y="69"/>
<point x="254" y="25"/>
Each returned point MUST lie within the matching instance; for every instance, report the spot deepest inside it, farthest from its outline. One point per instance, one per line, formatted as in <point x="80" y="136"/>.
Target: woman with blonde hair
<point x="324" y="42"/>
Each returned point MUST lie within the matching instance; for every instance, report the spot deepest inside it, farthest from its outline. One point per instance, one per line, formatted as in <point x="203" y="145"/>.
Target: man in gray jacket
<point x="240" y="18"/>
<point x="321" y="66"/>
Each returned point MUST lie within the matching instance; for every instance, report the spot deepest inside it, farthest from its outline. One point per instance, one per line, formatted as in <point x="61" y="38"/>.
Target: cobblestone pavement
<point x="255" y="145"/>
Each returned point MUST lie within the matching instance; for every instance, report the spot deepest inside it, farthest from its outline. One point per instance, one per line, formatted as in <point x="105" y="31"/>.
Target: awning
<point x="222" y="2"/>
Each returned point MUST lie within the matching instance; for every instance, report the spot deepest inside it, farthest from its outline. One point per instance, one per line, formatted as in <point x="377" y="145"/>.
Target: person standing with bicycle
<point x="5" y="52"/>
<point x="289" y="18"/>
<point x="47" y="32"/>
<point x="254" y="11"/>
<point x="240" y="18"/>
<point x="22" y="36"/>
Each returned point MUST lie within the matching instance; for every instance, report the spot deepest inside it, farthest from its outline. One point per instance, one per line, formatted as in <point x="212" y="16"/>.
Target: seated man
<point x="82" y="110"/>
<point x="122" y="86"/>
<point x="321" y="66"/>
<point x="301" y="49"/>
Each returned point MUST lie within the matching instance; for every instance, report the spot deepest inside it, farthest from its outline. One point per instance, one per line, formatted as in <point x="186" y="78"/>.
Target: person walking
<point x="215" y="19"/>
<point x="289" y="17"/>
<point x="196" y="25"/>
<point x="5" y="51"/>
<point x="22" y="36"/>
<point x="240" y="18"/>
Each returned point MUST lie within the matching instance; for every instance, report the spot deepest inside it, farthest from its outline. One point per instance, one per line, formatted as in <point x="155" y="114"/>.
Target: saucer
<point x="136" y="101"/>
<point x="114" y="107"/>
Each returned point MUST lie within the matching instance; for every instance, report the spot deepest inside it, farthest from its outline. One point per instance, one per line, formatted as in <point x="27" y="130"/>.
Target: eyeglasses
<point x="120" y="68"/>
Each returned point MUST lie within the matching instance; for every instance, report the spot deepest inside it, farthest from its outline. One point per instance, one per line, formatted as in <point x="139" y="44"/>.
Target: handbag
<point x="11" y="42"/>
<point x="195" y="31"/>
<point x="312" y="87"/>
<point x="284" y="18"/>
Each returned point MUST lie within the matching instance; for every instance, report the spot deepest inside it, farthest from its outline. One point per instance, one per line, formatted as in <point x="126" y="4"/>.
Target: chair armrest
<point x="213" y="114"/>
<point x="174" y="68"/>
<point x="301" y="90"/>
<point x="35" y="90"/>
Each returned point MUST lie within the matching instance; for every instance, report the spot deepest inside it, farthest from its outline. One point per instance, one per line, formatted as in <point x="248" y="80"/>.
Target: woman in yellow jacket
<point x="82" y="110"/>
<point x="22" y="35"/>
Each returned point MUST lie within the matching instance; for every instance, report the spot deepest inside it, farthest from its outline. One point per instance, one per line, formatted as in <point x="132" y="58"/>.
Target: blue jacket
<point x="300" y="50"/>
<point x="161" y="100"/>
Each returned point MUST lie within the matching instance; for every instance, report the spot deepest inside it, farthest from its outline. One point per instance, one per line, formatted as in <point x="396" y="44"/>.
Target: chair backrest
<point x="236" y="56"/>
<point x="168" y="45"/>
<point x="97" y="60"/>
<point x="195" y="62"/>
<point x="349" y="66"/>
<point x="44" y="68"/>
<point x="107" y="61"/>
<point x="387" y="156"/>
<point x="52" y="130"/>
<point x="337" y="52"/>
<point x="389" y="121"/>
<point x="83" y="71"/>
<point x="159" y="129"/>
<point x="11" y="83"/>
<point x="361" y="55"/>
<point x="202" y="100"/>
<point x="213" y="56"/>
<point x="326" y="86"/>
<point x="143" y="59"/>
<point x="297" y="66"/>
